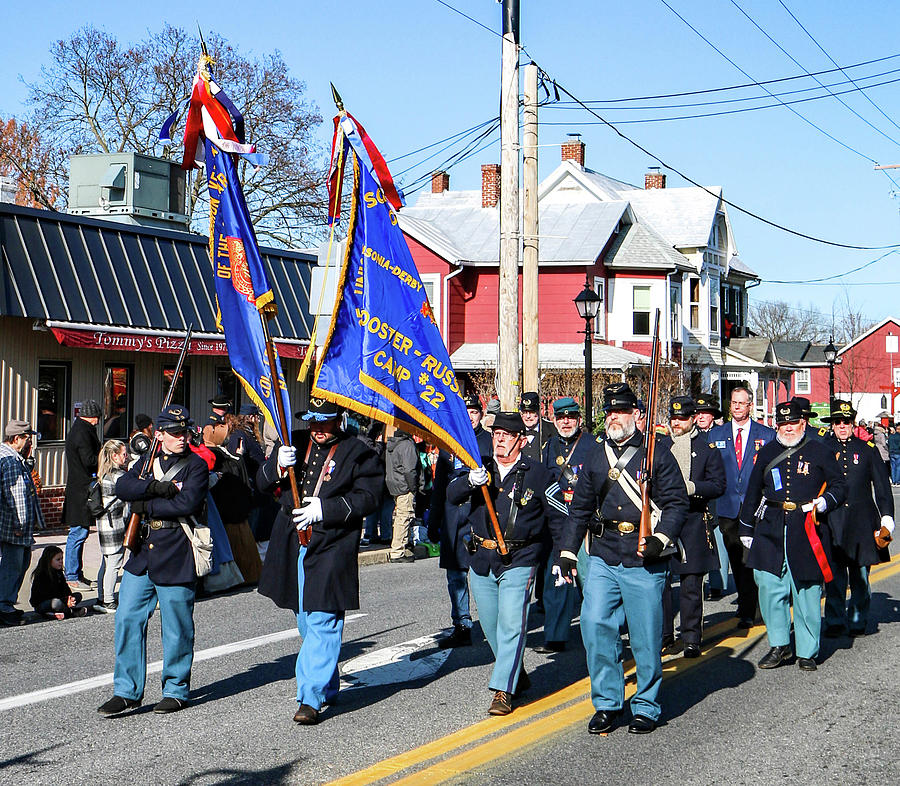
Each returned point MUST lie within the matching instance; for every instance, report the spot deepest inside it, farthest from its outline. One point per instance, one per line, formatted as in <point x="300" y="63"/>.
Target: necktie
<point x="739" y="447"/>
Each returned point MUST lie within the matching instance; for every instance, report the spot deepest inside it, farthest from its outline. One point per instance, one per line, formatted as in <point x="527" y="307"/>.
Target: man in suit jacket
<point x="739" y="441"/>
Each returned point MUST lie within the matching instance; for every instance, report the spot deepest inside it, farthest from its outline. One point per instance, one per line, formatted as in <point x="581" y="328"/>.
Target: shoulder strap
<point x="514" y="507"/>
<point x="324" y="470"/>
<point x="616" y="470"/>
<point x="172" y="471"/>
<point x="787" y="453"/>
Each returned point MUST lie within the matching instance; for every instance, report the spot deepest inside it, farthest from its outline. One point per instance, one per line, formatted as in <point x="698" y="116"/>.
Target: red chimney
<point x="573" y="149"/>
<point x="440" y="182"/>
<point x="654" y="179"/>
<point x="490" y="185"/>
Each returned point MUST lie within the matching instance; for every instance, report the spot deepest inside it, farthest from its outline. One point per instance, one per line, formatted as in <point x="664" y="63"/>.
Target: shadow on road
<point x="233" y="777"/>
<point x="689" y="689"/>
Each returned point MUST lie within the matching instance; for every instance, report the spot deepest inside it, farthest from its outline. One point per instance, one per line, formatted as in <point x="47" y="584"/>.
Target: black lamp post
<point x="588" y="304"/>
<point x="830" y="356"/>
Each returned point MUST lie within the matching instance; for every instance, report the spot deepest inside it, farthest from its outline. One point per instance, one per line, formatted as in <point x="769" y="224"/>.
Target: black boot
<point x="461" y="637"/>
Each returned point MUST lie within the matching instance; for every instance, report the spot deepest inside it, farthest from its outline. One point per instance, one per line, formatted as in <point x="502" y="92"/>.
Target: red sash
<point x="816" y="543"/>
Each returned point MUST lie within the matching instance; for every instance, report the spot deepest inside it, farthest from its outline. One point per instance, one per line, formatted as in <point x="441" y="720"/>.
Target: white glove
<point x="478" y="477"/>
<point x="287" y="456"/>
<point x="309" y="514"/>
<point x="747" y="541"/>
<point x="818" y="503"/>
<point x="888" y="523"/>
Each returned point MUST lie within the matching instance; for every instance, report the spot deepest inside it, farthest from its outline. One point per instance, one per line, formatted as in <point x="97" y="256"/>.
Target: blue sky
<point x="414" y="72"/>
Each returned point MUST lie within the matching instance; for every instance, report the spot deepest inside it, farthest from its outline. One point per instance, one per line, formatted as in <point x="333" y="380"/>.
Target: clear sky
<point x="414" y="72"/>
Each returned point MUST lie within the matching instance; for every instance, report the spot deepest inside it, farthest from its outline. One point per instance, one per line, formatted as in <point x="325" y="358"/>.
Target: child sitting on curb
<point x="50" y="593"/>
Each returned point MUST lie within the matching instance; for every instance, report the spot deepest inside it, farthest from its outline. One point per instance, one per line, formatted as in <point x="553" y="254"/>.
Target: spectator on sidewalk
<point x="20" y="514"/>
<point x="50" y="593"/>
<point x="894" y="452"/>
<point x="82" y="450"/>
<point x="111" y="525"/>
<point x="402" y="471"/>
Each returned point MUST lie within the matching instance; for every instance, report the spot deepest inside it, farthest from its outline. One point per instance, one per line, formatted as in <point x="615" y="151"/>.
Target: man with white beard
<point x="607" y="502"/>
<point x="794" y="481"/>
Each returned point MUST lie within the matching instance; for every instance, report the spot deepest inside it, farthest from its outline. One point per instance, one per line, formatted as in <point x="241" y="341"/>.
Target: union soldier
<point x="707" y="411"/>
<point x="527" y="501"/>
<point x="537" y="429"/>
<point x="161" y="569"/>
<point x="607" y="502"/>
<point x="704" y="477"/>
<point x="565" y="455"/>
<point x="340" y="482"/>
<point x="221" y="405"/>
<point x="449" y="525"/>
<point x="812" y="432"/>
<point x="794" y="479"/>
<point x="860" y="528"/>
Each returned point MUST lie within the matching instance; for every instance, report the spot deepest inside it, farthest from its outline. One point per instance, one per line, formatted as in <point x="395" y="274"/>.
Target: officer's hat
<point x="789" y="412"/>
<point x="806" y="406"/>
<point x="175" y="417"/>
<point x="509" y="421"/>
<point x="682" y="407"/>
<point x="618" y="396"/>
<point x="221" y="401"/>
<point x="706" y="402"/>
<point x="840" y="410"/>
<point x="215" y="420"/>
<point x="530" y="402"/>
<point x="566" y="406"/>
<point x="319" y="410"/>
<point x="473" y="402"/>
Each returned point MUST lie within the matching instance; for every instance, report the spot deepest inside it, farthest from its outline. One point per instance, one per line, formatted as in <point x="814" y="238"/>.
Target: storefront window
<point x="117" y="397"/>
<point x="54" y="385"/>
<point x="182" y="394"/>
<point x="226" y="385"/>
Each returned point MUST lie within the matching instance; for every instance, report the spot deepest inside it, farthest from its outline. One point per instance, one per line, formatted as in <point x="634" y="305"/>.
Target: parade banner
<point x="243" y="293"/>
<point x="384" y="356"/>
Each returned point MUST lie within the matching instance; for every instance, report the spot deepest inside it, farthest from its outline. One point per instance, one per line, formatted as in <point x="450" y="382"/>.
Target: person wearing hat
<point x="402" y="477"/>
<point x="537" y="429"/>
<point x="82" y="452"/>
<point x="449" y="524"/>
<point x="528" y="502"/>
<point x="794" y="480"/>
<point x="221" y="405"/>
<point x="565" y="455"/>
<point x="607" y="503"/>
<point x="739" y="441"/>
<point x="812" y="432"/>
<point x="20" y="515"/>
<point x="860" y="528"/>
<point x="493" y="407"/>
<point x="704" y="477"/>
<point x="707" y="410"/>
<point x="161" y="568"/>
<point x="340" y="481"/>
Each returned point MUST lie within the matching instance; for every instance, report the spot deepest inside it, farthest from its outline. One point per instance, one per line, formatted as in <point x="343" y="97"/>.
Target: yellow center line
<point x="523" y="727"/>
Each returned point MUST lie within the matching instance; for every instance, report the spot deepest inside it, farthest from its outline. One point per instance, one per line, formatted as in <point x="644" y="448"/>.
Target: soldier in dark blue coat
<point x="565" y="455"/>
<point x="161" y="568"/>
<point x="814" y="433"/>
<point x="794" y="479"/>
<point x="340" y="481"/>
<point x="537" y="429"/>
<point x="867" y="514"/>
<point x="449" y="524"/>
<point x="619" y="576"/>
<point x="527" y="501"/>
<point x="704" y="477"/>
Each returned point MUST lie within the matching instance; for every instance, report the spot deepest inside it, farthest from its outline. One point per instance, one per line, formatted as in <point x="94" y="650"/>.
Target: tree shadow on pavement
<point x="234" y="777"/>
<point x="32" y="759"/>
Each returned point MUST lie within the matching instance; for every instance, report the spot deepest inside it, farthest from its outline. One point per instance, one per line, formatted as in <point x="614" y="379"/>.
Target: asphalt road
<point x="725" y="721"/>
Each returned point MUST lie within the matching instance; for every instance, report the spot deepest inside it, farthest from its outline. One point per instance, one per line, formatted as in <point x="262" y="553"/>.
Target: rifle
<point x="649" y="440"/>
<point x="134" y="523"/>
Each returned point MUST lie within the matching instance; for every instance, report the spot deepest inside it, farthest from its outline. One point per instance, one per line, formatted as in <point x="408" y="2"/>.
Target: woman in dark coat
<point x="82" y="450"/>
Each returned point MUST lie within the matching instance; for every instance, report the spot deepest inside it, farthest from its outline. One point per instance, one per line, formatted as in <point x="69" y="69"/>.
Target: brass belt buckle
<point x="155" y="524"/>
<point x="790" y="506"/>
<point x="489" y="543"/>
<point x="626" y="527"/>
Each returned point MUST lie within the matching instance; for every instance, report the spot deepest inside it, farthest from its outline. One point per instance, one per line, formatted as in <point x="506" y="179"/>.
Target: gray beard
<point x="789" y="442"/>
<point x="621" y="433"/>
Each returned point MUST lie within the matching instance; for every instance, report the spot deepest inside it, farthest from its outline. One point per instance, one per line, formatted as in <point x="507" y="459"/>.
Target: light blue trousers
<point x="138" y="596"/>
<point x="503" y="612"/>
<point x="317" y="675"/>
<point x="608" y="590"/>
<point x="775" y="595"/>
<point x="718" y="579"/>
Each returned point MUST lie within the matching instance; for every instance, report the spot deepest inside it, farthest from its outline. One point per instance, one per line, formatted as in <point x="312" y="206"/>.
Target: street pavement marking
<point x="395" y="664"/>
<point x="512" y="733"/>
<point x="152" y="668"/>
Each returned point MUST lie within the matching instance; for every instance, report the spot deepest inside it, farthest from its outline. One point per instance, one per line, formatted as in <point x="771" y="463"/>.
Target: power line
<point x="830" y="278"/>
<point x="445" y="139"/>
<point x="471" y="19"/>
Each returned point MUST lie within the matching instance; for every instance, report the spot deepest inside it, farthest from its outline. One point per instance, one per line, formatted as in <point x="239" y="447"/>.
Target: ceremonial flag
<point x="384" y="356"/>
<point x="243" y="293"/>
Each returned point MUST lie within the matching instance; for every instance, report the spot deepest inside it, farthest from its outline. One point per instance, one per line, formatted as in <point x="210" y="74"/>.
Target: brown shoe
<point x="306" y="715"/>
<point x="502" y="703"/>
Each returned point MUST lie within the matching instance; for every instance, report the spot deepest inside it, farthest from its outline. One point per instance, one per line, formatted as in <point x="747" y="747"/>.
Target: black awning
<point x="69" y="268"/>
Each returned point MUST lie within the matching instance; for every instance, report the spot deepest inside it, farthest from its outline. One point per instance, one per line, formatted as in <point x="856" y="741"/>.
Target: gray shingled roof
<point x="639" y="246"/>
<point x="737" y="265"/>
<point x="683" y="216"/>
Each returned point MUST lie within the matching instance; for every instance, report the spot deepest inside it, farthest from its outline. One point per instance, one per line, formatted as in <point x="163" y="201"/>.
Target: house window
<point x="54" y="390"/>
<point x="801" y="381"/>
<point x="432" y="284"/>
<point x="117" y="400"/>
<point x="675" y="312"/>
<point x="641" y="308"/>
<point x="694" y="290"/>
<point x="182" y="393"/>
<point x="600" y="321"/>
<point x="713" y="306"/>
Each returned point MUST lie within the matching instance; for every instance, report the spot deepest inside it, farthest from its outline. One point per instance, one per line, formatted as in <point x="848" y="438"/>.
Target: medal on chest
<point x="856" y="458"/>
<point x="803" y="468"/>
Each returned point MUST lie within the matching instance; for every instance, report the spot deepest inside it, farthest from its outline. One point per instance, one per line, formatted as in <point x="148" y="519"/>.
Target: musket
<point x="132" y="531"/>
<point x="649" y="440"/>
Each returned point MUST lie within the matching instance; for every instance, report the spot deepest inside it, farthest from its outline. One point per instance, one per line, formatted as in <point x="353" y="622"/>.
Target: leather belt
<point x="622" y="527"/>
<point x="783" y="505"/>
<point x="163" y="524"/>
<point x="491" y="544"/>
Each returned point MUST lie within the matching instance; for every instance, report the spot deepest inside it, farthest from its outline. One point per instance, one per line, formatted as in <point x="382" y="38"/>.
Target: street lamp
<point x="830" y="357"/>
<point x="588" y="304"/>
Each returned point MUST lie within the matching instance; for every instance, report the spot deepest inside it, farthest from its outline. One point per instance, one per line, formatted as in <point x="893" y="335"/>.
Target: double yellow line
<point x="493" y="738"/>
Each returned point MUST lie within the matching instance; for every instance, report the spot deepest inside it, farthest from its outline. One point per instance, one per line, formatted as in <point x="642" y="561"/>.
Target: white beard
<point x="619" y="433"/>
<point x="789" y="442"/>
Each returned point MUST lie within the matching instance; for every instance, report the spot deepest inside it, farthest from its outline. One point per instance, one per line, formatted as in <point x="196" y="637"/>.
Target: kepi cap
<point x="788" y="412"/>
<point x="473" y="402"/>
<point x="175" y="417"/>
<point x="530" y="402"/>
<point x="566" y="406"/>
<point x="509" y="421"/>
<point x="320" y="410"/>
<point x="682" y="407"/>
<point x="618" y="396"/>
<point x="706" y="402"/>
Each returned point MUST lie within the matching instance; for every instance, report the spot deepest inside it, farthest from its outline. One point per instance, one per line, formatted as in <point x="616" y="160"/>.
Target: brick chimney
<point x="654" y="179"/>
<point x="490" y="185"/>
<point x="573" y="149"/>
<point x="440" y="182"/>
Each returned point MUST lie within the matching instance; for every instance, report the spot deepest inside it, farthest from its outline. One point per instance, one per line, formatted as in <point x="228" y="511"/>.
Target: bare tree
<point x="849" y="321"/>
<point x="26" y="158"/>
<point x="778" y="320"/>
<point x="98" y="95"/>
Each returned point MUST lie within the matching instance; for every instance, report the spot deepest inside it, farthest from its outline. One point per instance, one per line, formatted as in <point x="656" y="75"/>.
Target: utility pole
<point x="508" y="377"/>
<point x="530" y="232"/>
